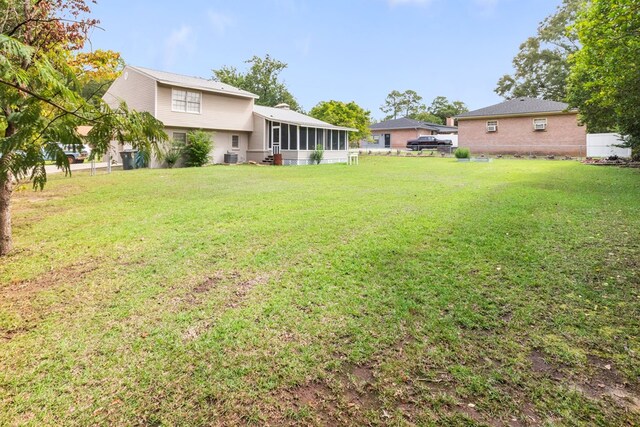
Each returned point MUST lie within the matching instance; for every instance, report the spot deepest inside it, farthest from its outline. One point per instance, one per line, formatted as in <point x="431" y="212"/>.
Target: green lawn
<point x="403" y="291"/>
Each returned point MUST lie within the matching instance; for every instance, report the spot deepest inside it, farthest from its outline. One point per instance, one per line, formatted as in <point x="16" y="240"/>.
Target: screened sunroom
<point x="296" y="136"/>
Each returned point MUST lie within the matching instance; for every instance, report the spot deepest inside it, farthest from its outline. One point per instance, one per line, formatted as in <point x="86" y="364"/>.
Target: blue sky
<point x="349" y="50"/>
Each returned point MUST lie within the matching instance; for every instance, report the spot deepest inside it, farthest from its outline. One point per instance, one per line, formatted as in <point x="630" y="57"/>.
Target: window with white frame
<point x="235" y="141"/>
<point x="539" y="124"/>
<point x="185" y="101"/>
<point x="492" y="126"/>
<point x="180" y="137"/>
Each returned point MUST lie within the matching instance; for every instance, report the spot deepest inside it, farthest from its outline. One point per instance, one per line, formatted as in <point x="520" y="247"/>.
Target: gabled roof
<point x="193" y="82"/>
<point x="293" y="117"/>
<point x="407" y="123"/>
<point x="518" y="106"/>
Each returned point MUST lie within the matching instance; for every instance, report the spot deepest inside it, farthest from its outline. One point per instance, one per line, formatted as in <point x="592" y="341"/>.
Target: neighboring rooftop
<point x="193" y="82"/>
<point x="407" y="123"/>
<point x="518" y="106"/>
<point x="293" y="117"/>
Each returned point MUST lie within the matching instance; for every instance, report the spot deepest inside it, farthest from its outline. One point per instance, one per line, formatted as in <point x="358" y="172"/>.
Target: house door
<point x="275" y="139"/>
<point x="387" y="140"/>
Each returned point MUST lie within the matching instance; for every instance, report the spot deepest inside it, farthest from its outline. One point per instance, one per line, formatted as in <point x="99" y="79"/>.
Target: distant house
<point x="523" y="126"/>
<point x="239" y="126"/>
<point x="396" y="132"/>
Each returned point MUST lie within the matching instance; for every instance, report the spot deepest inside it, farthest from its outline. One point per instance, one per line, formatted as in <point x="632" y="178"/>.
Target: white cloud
<point x="179" y="41"/>
<point x="393" y="3"/>
<point x="304" y="45"/>
<point x="220" y="22"/>
<point x="486" y="6"/>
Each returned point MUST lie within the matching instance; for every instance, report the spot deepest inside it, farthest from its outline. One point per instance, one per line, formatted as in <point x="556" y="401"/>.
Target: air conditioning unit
<point x="540" y="126"/>
<point x="492" y="128"/>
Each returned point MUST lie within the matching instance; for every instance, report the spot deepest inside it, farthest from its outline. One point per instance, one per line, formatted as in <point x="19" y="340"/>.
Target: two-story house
<point x="253" y="132"/>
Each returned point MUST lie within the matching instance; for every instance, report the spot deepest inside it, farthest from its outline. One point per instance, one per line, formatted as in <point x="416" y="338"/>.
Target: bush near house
<point x="198" y="148"/>
<point x="462" y="153"/>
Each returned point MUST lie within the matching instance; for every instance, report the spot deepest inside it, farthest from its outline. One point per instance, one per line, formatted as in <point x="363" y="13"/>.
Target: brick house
<point x="523" y="126"/>
<point x="396" y="132"/>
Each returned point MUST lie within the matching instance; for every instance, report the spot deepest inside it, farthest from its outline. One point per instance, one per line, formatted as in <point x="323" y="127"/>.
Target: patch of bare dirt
<point x="233" y="281"/>
<point x="539" y="364"/>
<point x="341" y="399"/>
<point x="72" y="273"/>
<point x="607" y="383"/>
<point x="242" y="288"/>
<point x="20" y="295"/>
<point x="603" y="382"/>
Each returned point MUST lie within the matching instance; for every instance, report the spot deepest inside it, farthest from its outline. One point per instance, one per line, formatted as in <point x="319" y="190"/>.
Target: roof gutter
<point x="540" y="113"/>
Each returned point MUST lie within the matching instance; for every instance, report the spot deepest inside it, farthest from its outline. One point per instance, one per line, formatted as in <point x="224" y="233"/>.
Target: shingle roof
<point x="518" y="106"/>
<point x="293" y="117"/>
<point x="193" y="82"/>
<point x="407" y="123"/>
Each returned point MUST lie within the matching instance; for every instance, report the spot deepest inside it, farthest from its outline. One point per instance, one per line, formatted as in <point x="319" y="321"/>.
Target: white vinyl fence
<point x="604" y="145"/>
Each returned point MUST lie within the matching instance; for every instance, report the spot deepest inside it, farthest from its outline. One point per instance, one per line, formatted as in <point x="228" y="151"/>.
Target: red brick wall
<point x="563" y="136"/>
<point x="399" y="137"/>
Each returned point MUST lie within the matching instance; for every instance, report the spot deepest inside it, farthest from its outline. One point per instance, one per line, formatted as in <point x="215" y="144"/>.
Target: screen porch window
<point x="312" y="139"/>
<point x="303" y="138"/>
<point x="334" y="140"/>
<point x="185" y="101"/>
<point x="293" y="137"/>
<point x="284" y="136"/>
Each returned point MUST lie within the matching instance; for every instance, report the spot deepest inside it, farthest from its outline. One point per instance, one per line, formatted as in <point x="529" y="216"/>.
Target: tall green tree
<point x="262" y="78"/>
<point x="605" y="75"/>
<point x="402" y="104"/>
<point x="541" y="66"/>
<point x="40" y="100"/>
<point x="442" y="108"/>
<point x="426" y="116"/>
<point x="345" y="114"/>
<point x="392" y="105"/>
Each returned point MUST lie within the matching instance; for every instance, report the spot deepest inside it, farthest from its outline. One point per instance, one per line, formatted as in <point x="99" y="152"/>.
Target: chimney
<point x="282" y="106"/>
<point x="450" y="121"/>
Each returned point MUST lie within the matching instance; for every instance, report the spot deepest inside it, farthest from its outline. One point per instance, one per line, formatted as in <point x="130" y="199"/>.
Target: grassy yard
<point x="403" y="291"/>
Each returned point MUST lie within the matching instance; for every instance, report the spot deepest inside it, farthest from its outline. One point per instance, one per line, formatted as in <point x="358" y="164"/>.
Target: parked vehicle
<point x="77" y="155"/>
<point x="427" y="142"/>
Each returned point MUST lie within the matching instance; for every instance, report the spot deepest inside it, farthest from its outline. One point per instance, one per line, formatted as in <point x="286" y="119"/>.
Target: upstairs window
<point x="185" y="101"/>
<point x="492" y="126"/>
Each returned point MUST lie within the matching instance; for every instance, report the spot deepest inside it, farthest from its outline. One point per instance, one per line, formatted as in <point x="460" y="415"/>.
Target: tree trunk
<point x="6" y="190"/>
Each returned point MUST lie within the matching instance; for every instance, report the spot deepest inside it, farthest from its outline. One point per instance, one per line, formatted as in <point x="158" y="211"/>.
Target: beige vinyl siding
<point x="216" y="112"/>
<point x="258" y="137"/>
<point x="221" y="144"/>
<point x="137" y="89"/>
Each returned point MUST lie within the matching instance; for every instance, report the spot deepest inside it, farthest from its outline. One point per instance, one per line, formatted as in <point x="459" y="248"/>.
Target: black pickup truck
<point x="427" y="142"/>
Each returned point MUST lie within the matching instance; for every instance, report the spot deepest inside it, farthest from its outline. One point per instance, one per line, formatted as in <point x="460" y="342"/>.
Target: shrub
<point x="462" y="153"/>
<point x="173" y="153"/>
<point x="196" y="150"/>
<point x="317" y="155"/>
